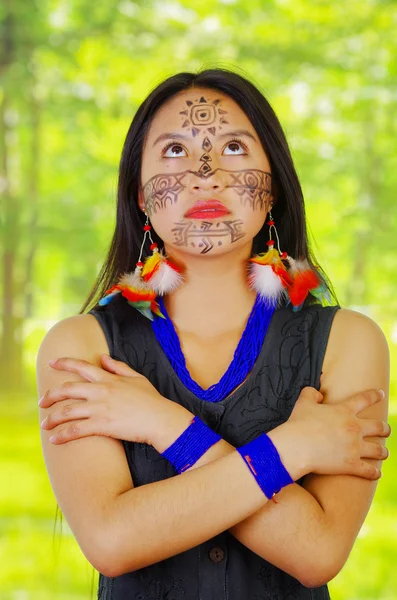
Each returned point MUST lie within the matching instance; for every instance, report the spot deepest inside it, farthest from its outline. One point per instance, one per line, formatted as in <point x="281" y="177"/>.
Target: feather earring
<point x="268" y="273"/>
<point x="156" y="276"/>
<point x="138" y="295"/>
<point x="159" y="273"/>
<point x="273" y="281"/>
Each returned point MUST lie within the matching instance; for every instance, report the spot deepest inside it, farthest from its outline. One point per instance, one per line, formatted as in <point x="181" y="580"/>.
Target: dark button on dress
<point x="217" y="554"/>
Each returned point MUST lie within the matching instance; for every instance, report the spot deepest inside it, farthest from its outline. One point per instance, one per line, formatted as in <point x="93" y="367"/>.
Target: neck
<point x="215" y="295"/>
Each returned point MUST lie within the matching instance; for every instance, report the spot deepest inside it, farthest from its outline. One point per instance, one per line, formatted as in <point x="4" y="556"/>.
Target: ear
<point x="274" y="193"/>
<point x="141" y="200"/>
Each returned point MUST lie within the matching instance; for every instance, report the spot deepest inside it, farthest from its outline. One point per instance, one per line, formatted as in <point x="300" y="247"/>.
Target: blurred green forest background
<point x="72" y="74"/>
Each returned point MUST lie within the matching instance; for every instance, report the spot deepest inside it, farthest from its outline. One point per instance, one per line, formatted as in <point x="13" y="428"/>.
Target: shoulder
<point x="80" y="334"/>
<point x="76" y="325"/>
<point x="355" y="337"/>
<point x="357" y="324"/>
<point x="357" y="355"/>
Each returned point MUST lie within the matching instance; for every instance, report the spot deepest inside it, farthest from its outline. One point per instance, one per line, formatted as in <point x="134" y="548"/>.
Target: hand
<point x="329" y="438"/>
<point x="115" y="401"/>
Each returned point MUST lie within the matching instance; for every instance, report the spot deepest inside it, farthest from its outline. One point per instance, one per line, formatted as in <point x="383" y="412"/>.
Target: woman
<point x="206" y="184"/>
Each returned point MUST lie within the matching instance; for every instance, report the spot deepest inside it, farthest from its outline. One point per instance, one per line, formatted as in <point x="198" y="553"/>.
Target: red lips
<point x="207" y="209"/>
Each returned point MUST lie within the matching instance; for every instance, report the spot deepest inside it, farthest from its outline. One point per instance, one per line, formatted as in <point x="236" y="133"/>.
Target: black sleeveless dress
<point x="221" y="568"/>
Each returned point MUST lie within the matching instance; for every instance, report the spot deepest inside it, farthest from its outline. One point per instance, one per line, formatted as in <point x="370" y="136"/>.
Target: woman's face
<point x="205" y="176"/>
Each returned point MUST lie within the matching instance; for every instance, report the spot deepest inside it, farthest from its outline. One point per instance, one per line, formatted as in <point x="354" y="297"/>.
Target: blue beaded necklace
<point x="244" y="357"/>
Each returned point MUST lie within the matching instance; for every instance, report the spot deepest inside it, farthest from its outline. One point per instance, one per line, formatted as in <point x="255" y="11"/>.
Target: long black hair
<point x="288" y="209"/>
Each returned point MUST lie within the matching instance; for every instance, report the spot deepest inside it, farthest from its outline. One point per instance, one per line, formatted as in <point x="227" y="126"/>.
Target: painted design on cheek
<point x="207" y="234"/>
<point x="161" y="190"/>
<point x="205" y="158"/>
<point x="253" y="186"/>
<point x="203" y="113"/>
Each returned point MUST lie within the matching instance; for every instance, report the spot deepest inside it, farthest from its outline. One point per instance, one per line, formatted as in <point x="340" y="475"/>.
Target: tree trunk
<point x="357" y="293"/>
<point x="33" y="187"/>
<point x="11" y="338"/>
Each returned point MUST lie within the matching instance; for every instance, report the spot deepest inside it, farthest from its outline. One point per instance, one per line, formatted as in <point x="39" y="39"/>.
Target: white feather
<point x="264" y="280"/>
<point x="165" y="279"/>
<point x="133" y="280"/>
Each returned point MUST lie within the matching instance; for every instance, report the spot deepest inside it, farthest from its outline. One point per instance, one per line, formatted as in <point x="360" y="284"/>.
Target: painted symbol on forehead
<point x="203" y="114"/>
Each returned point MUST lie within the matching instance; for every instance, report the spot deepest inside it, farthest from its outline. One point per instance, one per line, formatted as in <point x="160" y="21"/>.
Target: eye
<point x="233" y="145"/>
<point x="174" y="148"/>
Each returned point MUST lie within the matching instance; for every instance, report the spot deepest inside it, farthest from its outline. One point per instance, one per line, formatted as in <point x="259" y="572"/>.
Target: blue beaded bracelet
<point x="265" y="464"/>
<point x="191" y="445"/>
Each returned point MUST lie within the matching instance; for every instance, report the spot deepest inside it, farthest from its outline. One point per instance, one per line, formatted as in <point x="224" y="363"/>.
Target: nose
<point x="207" y="185"/>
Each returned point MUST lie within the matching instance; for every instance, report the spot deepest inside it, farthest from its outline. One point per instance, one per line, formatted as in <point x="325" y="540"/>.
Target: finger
<point x="77" y="430"/>
<point x="366" y="470"/>
<point x="117" y="366"/>
<point x="69" y="412"/>
<point x="360" y="401"/>
<point x="310" y="394"/>
<point x="81" y="367"/>
<point x="375" y="427"/>
<point x="373" y="450"/>
<point x="70" y="389"/>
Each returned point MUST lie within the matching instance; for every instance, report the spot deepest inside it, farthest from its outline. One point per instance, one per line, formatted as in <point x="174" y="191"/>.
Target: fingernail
<point x="52" y="438"/>
<point x="52" y="362"/>
<point x="42" y="398"/>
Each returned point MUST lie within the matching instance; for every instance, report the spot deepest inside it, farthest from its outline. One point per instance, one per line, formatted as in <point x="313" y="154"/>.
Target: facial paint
<point x="207" y="235"/>
<point x="206" y="157"/>
<point x="163" y="189"/>
<point x="252" y="186"/>
<point x="203" y="114"/>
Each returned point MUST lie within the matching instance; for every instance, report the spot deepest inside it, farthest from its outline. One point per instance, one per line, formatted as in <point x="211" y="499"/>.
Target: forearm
<point x="285" y="532"/>
<point x="158" y="520"/>
<point x="155" y="521"/>
<point x="294" y="535"/>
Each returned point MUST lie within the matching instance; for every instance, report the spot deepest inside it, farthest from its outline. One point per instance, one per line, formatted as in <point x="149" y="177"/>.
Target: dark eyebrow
<point x="238" y="132"/>
<point x="169" y="136"/>
<point x="180" y="136"/>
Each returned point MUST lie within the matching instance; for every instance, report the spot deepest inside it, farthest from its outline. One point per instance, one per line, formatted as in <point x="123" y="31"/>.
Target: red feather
<point x="138" y="296"/>
<point x="303" y="282"/>
<point x="283" y="274"/>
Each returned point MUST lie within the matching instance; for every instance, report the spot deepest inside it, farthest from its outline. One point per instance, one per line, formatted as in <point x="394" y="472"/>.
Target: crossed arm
<point x="309" y="534"/>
